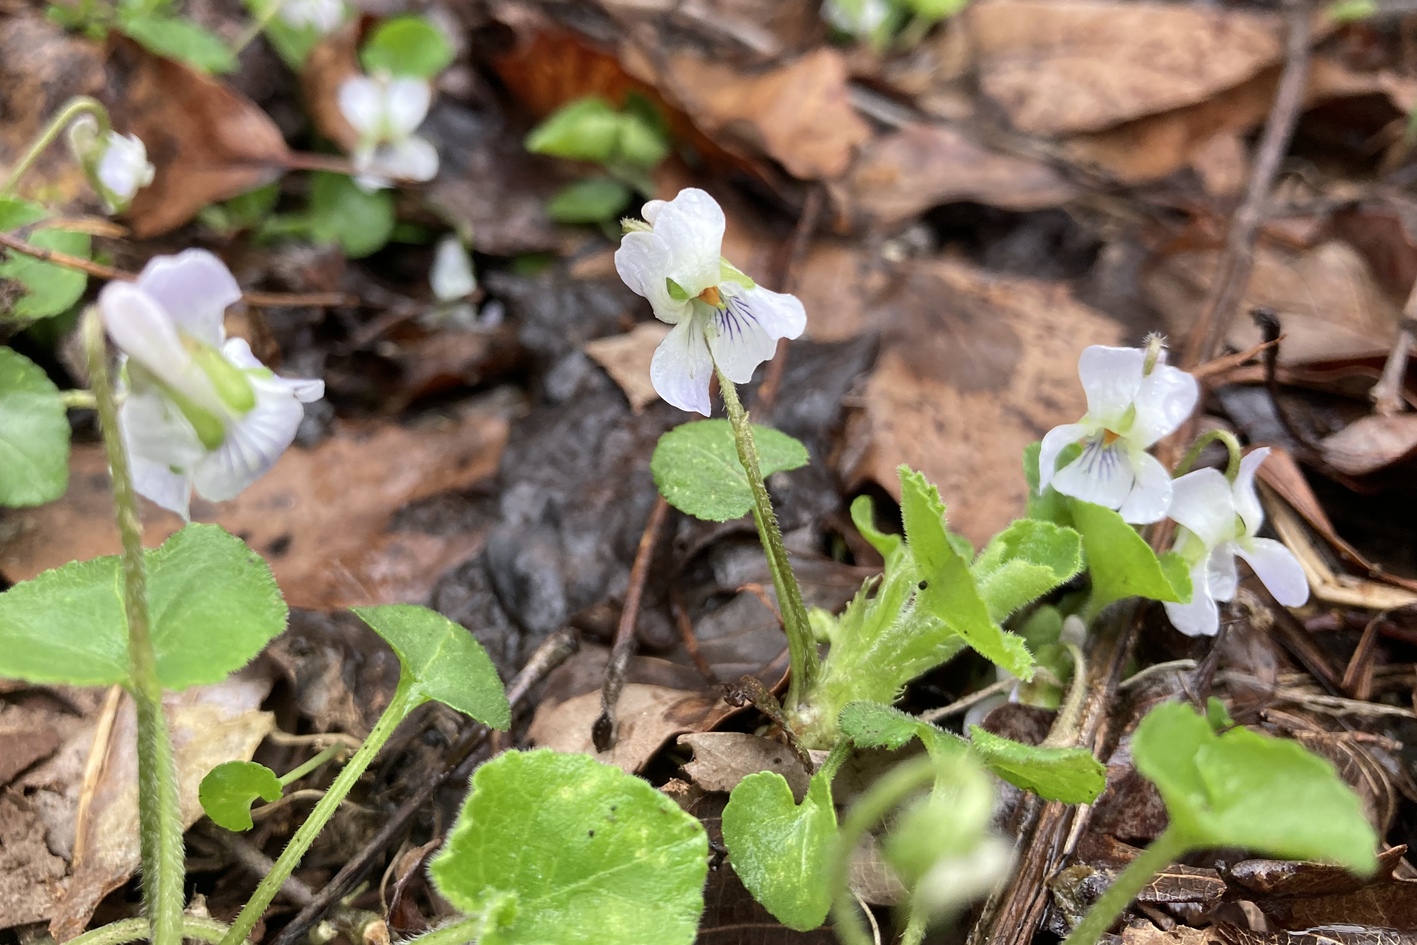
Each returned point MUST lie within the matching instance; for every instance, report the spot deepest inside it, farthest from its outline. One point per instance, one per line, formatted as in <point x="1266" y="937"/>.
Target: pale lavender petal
<point x="642" y="261"/>
<point x="1101" y="475"/>
<point x="1201" y="502"/>
<point x="305" y="390"/>
<point x="1165" y="399"/>
<point x="1200" y="617"/>
<point x="682" y="367"/>
<point x="142" y="330"/>
<point x="252" y="445"/>
<point x="161" y="485"/>
<point x="781" y="315"/>
<point x="406" y="102"/>
<point x="1058" y="439"/>
<point x="1222" y="574"/>
<point x="409" y="159"/>
<point x="691" y="226"/>
<point x="739" y="342"/>
<point x="1247" y="500"/>
<point x="451" y="274"/>
<point x="194" y="288"/>
<point x="1111" y="378"/>
<point x="361" y="102"/>
<point x="155" y="430"/>
<point x="124" y="167"/>
<point x="1151" y="493"/>
<point x="1277" y="569"/>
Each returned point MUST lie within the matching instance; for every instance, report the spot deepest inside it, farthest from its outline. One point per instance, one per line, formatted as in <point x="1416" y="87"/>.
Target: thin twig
<point x="603" y="731"/>
<point x="686" y="636"/>
<point x="1232" y="276"/>
<point x="553" y="651"/>
<point x="100" y="271"/>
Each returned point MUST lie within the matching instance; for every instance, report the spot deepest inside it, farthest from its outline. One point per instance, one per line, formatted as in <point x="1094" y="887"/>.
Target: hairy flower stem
<point x="801" y="647"/>
<point x="1232" y="446"/>
<point x="159" y="809"/>
<point x="402" y="703"/>
<point x="469" y="929"/>
<point x="133" y="930"/>
<point x="884" y="796"/>
<point x="1128" y="884"/>
<point x="73" y="109"/>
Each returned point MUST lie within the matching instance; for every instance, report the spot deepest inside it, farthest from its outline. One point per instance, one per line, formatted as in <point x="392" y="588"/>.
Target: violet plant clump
<point x="1090" y="482"/>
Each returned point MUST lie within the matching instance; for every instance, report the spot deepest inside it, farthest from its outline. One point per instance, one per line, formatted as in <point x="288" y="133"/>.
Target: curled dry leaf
<point x="973" y="368"/>
<point x="333" y="60"/>
<point x="1083" y="65"/>
<point x="1371" y="444"/>
<point x="207" y="141"/>
<point x="321" y="517"/>
<point x="905" y="173"/>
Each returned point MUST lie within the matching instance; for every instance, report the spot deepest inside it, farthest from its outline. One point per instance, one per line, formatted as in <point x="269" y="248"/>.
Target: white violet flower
<point x="451" y="275"/>
<point x="385" y="112"/>
<point x="720" y="316"/>
<point x="1219" y="522"/>
<point x="117" y="165"/>
<point x="324" y="16"/>
<point x="1128" y="409"/>
<point x="200" y="411"/>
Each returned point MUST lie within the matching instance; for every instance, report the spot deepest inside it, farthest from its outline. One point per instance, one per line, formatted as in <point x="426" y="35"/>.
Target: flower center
<point x="712" y="296"/>
<point x="1108" y="437"/>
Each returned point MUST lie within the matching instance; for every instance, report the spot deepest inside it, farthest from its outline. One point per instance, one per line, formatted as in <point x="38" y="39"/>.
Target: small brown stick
<point x="1358" y="677"/>
<point x="801" y="238"/>
<point x="553" y="651"/>
<point x="687" y="636"/>
<point x="1232" y="276"/>
<point x="100" y="271"/>
<point x="603" y="731"/>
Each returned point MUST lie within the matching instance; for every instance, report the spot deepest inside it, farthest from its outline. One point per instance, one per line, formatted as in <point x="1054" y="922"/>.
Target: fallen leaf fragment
<point x="207" y="141"/>
<point x="900" y="175"/>
<point x="646" y="718"/>
<point x="722" y="759"/>
<point x="320" y="517"/>
<point x="626" y="358"/>
<point x="1371" y="444"/>
<point x="1083" y="65"/>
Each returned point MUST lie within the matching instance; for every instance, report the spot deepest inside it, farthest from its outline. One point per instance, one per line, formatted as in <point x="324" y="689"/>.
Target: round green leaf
<point x="586" y="129"/>
<point x="695" y="465"/>
<point x="361" y="223"/>
<point x="1244" y="789"/>
<point x="407" y="45"/>
<point x="587" y="853"/>
<point x="443" y="660"/>
<point x="781" y="849"/>
<point x="50" y="288"/>
<point x="16" y="212"/>
<point x="34" y="434"/>
<point x="589" y="201"/>
<point x="230" y="788"/>
<point x="212" y="602"/>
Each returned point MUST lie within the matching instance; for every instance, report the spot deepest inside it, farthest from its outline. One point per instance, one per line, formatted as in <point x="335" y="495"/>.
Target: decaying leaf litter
<point x="961" y="215"/>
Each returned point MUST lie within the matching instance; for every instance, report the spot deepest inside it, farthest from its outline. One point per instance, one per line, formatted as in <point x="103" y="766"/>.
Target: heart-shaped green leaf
<point x="696" y="467"/>
<point x="212" y="603"/>
<point x="442" y="660"/>
<point x="34" y="434"/>
<point x="1120" y="563"/>
<point x="229" y="790"/>
<point x="50" y="288"/>
<point x="780" y="849"/>
<point x="1070" y="775"/>
<point x="586" y="853"/>
<point x="407" y="46"/>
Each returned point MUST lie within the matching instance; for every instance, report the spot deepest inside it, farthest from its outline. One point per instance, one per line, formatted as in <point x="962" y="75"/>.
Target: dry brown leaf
<point x="1158" y="145"/>
<point x="798" y="114"/>
<point x="646" y="718"/>
<point x="210" y="724"/>
<point x="973" y="368"/>
<point x="1066" y="66"/>
<point x="902" y="174"/>
<point x="626" y="358"/>
<point x="722" y="759"/>
<point x="320" y="517"/>
<point x="1372" y="443"/>
<point x="334" y="59"/>
<point x="207" y="141"/>
<point x="1327" y="300"/>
